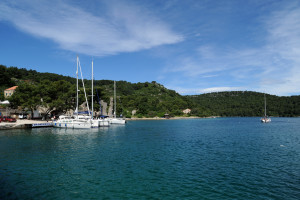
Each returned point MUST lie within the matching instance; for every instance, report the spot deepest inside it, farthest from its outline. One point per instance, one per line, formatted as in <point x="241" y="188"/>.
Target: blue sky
<point x="191" y="46"/>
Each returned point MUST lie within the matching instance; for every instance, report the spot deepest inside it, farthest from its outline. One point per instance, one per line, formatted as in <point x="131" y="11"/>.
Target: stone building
<point x="187" y="111"/>
<point x="8" y="92"/>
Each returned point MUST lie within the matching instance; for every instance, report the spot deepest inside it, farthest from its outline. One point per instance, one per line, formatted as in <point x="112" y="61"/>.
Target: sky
<point x="191" y="46"/>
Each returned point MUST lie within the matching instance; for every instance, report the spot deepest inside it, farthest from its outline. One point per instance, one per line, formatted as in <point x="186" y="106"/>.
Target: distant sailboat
<point x="265" y="119"/>
<point x="116" y="120"/>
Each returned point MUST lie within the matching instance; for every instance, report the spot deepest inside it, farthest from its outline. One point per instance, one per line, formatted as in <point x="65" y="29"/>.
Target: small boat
<point x="116" y="120"/>
<point x="265" y="119"/>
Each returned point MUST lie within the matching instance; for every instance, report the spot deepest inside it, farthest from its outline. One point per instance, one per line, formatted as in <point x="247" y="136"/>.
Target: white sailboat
<point x="98" y="122"/>
<point x="265" y="119"/>
<point x="65" y="121"/>
<point x="77" y="121"/>
<point x="116" y="120"/>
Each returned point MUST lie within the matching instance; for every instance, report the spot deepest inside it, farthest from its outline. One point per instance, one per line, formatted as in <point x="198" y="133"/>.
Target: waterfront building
<point x="8" y="92"/>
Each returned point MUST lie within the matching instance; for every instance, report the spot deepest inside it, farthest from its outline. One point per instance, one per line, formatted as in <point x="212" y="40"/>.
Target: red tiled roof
<point x="12" y="88"/>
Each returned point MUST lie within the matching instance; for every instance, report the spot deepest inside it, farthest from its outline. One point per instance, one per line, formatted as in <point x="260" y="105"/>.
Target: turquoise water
<point x="223" y="158"/>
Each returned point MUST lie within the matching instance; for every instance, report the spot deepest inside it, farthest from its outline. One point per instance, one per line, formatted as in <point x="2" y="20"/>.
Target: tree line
<point x="247" y="103"/>
<point x="150" y="99"/>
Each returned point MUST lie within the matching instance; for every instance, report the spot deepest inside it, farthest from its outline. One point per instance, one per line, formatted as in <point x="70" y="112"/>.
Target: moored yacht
<point x="96" y="122"/>
<point x="77" y="120"/>
<point x="100" y="122"/>
<point x="65" y="121"/>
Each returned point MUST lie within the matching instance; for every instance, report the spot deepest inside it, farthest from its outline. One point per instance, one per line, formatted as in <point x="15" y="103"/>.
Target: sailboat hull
<point x="76" y="125"/>
<point x="117" y="121"/>
<point x="103" y="123"/>
<point x="68" y="122"/>
<point x="265" y="120"/>
<point x="99" y="123"/>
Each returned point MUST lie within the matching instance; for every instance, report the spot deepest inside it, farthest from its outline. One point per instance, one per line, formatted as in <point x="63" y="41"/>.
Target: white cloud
<point x="273" y="67"/>
<point x="203" y="62"/>
<point x="192" y="91"/>
<point x="219" y="89"/>
<point x="121" y="29"/>
<point x="284" y="44"/>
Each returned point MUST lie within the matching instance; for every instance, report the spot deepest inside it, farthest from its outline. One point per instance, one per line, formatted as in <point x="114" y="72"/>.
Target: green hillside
<point x="57" y="91"/>
<point x="245" y="103"/>
<point x="149" y="99"/>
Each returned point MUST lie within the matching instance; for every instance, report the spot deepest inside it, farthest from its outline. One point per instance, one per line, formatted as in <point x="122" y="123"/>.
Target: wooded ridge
<point x="149" y="99"/>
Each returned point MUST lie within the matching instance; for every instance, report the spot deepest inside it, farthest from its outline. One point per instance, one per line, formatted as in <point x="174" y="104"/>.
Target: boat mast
<point x="115" y="101"/>
<point x="77" y="88"/>
<point x="92" y="89"/>
<point x="84" y="90"/>
<point x="265" y="106"/>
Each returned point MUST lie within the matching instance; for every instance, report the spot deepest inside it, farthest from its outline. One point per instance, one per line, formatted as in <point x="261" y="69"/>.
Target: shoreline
<point x="25" y="123"/>
<point x="210" y="117"/>
<point x="171" y="118"/>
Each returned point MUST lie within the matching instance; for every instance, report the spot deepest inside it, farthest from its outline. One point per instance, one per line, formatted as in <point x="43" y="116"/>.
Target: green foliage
<point x="5" y="77"/>
<point x="244" y="103"/>
<point x="57" y="92"/>
<point x="150" y="99"/>
<point x="51" y="95"/>
<point x="29" y="98"/>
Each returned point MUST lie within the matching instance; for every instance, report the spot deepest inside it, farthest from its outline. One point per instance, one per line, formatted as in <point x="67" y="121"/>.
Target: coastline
<point x="25" y="123"/>
<point x="171" y="118"/>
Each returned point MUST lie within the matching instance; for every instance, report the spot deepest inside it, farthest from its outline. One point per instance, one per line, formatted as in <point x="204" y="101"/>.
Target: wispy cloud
<point x="219" y="89"/>
<point x="284" y="46"/>
<point x="188" y="91"/>
<point x="272" y="67"/>
<point x="121" y="28"/>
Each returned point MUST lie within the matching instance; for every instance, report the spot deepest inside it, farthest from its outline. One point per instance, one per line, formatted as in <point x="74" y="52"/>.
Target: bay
<point x="222" y="158"/>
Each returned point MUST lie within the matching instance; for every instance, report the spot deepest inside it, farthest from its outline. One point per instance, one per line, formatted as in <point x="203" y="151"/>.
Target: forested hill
<point x="147" y="99"/>
<point x="246" y="103"/>
<point x="59" y="92"/>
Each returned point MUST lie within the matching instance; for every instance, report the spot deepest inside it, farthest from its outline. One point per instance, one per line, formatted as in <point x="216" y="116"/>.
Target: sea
<point x="221" y="158"/>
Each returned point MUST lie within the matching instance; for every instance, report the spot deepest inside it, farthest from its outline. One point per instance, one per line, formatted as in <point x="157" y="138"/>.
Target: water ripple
<point x="226" y="158"/>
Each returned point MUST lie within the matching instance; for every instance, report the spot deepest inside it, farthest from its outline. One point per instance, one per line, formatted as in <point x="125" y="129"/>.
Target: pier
<point x="24" y="123"/>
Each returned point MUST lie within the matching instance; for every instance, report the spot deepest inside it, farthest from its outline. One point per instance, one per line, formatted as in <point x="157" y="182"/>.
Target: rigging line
<point x="84" y="89"/>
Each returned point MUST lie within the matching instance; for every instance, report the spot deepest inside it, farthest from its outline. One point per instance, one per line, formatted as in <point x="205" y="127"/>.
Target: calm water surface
<point x="223" y="158"/>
